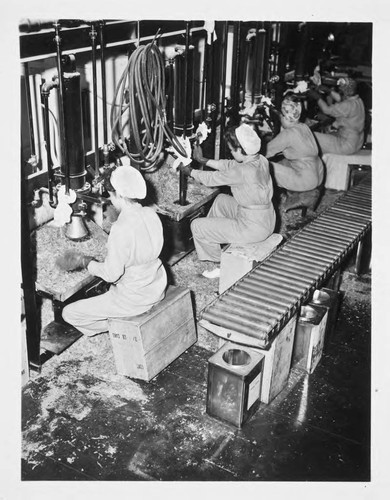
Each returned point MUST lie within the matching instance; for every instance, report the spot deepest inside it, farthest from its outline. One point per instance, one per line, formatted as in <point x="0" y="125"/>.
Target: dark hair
<point x="106" y="178"/>
<point x="231" y="138"/>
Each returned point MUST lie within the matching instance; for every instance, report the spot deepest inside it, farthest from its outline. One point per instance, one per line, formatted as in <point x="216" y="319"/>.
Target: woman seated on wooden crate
<point x="248" y="216"/>
<point x="301" y="169"/>
<point x="132" y="263"/>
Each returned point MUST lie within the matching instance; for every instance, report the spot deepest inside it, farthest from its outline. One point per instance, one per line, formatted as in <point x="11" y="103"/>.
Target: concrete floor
<point x="317" y="429"/>
<point x="83" y="422"/>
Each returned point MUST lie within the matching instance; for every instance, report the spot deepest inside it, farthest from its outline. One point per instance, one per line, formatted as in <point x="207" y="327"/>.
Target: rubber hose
<point x="144" y="80"/>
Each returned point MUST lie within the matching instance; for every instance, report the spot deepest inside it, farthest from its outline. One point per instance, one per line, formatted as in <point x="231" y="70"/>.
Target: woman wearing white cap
<point x="301" y="169"/>
<point x="247" y="216"/>
<point x="132" y="263"/>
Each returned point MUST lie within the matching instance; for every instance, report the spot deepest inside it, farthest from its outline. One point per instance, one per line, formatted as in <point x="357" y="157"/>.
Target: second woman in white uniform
<point x="246" y="216"/>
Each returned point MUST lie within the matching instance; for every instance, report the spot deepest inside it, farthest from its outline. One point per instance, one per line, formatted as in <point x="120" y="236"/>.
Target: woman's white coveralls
<point x="132" y="265"/>
<point x="246" y="217"/>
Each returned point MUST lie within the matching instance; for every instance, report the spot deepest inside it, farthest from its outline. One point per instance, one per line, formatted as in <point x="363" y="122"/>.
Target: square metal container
<point x="234" y="383"/>
<point x="326" y="297"/>
<point x="309" y="337"/>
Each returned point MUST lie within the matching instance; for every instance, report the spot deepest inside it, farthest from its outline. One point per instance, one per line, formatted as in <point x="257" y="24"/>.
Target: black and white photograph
<point x="195" y="268"/>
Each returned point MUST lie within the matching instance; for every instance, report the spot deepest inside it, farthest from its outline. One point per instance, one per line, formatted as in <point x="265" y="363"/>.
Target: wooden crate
<point x="146" y="344"/>
<point x="238" y="260"/>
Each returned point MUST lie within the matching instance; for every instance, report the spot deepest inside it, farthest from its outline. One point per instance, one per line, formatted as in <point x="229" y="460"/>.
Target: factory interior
<point x="261" y="374"/>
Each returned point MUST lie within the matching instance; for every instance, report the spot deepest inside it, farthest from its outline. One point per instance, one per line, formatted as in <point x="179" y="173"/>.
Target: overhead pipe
<point x="104" y="96"/>
<point x="64" y="142"/>
<point x="93" y="36"/>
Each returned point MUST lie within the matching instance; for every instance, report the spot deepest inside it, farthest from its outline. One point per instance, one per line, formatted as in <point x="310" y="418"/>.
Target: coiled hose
<point x="144" y="80"/>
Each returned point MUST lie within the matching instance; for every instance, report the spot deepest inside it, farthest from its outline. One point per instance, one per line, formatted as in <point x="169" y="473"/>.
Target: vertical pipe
<point x="93" y="35"/>
<point x="28" y="281"/>
<point x="237" y="55"/>
<point x="50" y="181"/>
<point x="182" y="177"/>
<point x="223" y="85"/>
<point x="29" y="109"/>
<point x="63" y="134"/>
<point x="204" y="78"/>
<point x="103" y="69"/>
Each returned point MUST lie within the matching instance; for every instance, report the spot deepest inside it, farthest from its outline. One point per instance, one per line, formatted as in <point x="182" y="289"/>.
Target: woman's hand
<point x="197" y="155"/>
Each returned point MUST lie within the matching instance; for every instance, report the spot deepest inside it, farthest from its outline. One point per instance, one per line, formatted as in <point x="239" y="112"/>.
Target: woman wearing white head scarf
<point x="248" y="216"/>
<point x="349" y="123"/>
<point x="301" y="169"/>
<point x="132" y="263"/>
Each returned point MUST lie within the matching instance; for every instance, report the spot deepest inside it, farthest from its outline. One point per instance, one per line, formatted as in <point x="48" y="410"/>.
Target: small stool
<point x="302" y="199"/>
<point x="338" y="170"/>
<point x="146" y="344"/>
<point x="237" y="260"/>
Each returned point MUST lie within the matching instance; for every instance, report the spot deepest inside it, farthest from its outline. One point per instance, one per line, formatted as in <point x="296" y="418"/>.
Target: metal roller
<point x="229" y="324"/>
<point x="264" y="300"/>
<point x="282" y="284"/>
<point x="284" y="296"/>
<point x="300" y="261"/>
<point x="239" y="319"/>
<point x="286" y="276"/>
<point x="254" y="311"/>
<point x="292" y="272"/>
<point x="329" y="241"/>
<point x="314" y="251"/>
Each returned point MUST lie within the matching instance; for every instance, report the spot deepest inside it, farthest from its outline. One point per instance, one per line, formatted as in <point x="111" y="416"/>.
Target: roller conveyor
<point x="259" y="305"/>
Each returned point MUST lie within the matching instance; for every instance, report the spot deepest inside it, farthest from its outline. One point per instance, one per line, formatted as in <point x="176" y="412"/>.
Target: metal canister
<point x="309" y="337"/>
<point x="326" y="297"/>
<point x="234" y="383"/>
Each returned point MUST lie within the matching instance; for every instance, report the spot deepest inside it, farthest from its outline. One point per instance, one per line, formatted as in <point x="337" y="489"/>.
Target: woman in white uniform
<point x="132" y="263"/>
<point x="248" y="216"/>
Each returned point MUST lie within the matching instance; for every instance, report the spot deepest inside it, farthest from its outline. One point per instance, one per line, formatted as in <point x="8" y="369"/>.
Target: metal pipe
<point x="182" y="176"/>
<point x="103" y="70"/>
<point x="204" y="79"/>
<point x="93" y="35"/>
<point x="45" y="92"/>
<point x="236" y="80"/>
<point x="63" y="134"/>
<point x="223" y="89"/>
<point x="29" y="111"/>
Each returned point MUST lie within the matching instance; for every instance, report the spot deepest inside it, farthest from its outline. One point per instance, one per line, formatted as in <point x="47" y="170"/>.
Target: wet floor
<point x="83" y="422"/>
